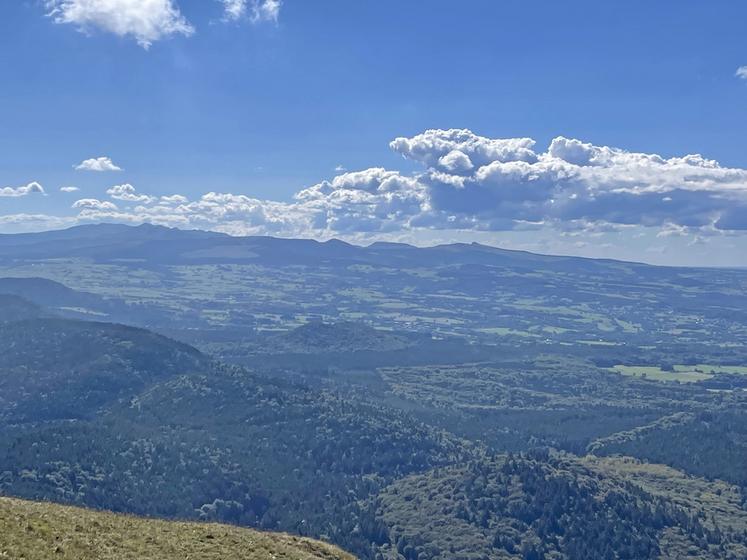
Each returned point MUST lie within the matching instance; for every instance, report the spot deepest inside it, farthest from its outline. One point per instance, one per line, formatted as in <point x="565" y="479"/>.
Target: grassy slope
<point x="37" y="531"/>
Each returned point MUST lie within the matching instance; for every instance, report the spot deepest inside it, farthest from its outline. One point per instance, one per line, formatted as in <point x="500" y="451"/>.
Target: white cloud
<point x="572" y="182"/>
<point x="146" y="21"/>
<point x="470" y="183"/>
<point x="25" y="190"/>
<point x="230" y="213"/>
<point x="742" y="72"/>
<point x="265" y="10"/>
<point x="128" y="193"/>
<point x="174" y="199"/>
<point x="257" y="10"/>
<point x="456" y="161"/>
<point x="97" y="164"/>
<point x="69" y="189"/>
<point x="478" y="184"/>
<point x="234" y="9"/>
<point x="432" y="145"/>
<point x="94" y="204"/>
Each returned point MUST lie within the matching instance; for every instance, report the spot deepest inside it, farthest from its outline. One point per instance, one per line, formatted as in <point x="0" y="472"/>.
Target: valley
<point x="129" y="388"/>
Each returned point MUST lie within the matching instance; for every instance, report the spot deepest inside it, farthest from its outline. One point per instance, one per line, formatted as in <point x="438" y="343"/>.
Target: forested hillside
<point x="540" y="506"/>
<point x="14" y="308"/>
<point x="393" y="443"/>
<point x="55" y="369"/>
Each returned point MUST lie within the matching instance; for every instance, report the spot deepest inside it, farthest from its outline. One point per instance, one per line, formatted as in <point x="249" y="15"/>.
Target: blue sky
<point x="259" y="104"/>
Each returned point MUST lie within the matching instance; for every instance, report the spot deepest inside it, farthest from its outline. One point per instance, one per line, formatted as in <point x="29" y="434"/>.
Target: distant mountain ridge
<point x="149" y="243"/>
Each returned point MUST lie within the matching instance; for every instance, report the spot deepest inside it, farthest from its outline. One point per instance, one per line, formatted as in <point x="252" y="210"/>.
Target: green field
<point x="681" y="373"/>
<point x="713" y="369"/>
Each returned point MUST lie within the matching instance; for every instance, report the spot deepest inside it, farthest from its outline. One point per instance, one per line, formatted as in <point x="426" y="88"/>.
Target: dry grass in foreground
<point x="38" y="531"/>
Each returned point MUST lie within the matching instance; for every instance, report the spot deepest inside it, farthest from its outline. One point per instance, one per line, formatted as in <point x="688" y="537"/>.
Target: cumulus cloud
<point x="371" y="200"/>
<point x="432" y="146"/>
<point x="146" y="21"/>
<point x="471" y="183"/>
<point x="230" y="213"/>
<point x="509" y="185"/>
<point x="99" y="164"/>
<point x="25" y="190"/>
<point x="128" y="193"/>
<point x="95" y="205"/>
<point x="456" y="161"/>
<point x="69" y="189"/>
<point x="742" y="72"/>
<point x="257" y="10"/>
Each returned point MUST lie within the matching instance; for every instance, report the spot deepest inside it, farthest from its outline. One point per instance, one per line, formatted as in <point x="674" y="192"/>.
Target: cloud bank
<point x="470" y="183"/>
<point x="501" y="184"/>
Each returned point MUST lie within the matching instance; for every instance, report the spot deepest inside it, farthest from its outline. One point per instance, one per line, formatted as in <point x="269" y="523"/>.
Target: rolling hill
<point x="54" y="368"/>
<point x="541" y="506"/>
<point x="14" y="308"/>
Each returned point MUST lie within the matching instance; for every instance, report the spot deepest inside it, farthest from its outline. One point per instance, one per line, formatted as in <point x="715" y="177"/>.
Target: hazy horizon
<point x="368" y="242"/>
<point x="246" y="117"/>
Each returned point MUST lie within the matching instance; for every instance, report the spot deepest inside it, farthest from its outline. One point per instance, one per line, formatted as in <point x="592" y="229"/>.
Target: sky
<point x="602" y="129"/>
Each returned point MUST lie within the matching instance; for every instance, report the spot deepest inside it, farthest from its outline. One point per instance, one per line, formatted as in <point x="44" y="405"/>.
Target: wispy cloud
<point x="69" y="189"/>
<point x="234" y="9"/>
<point x="265" y="10"/>
<point x="741" y="72"/>
<point x="256" y="10"/>
<point x="98" y="164"/>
